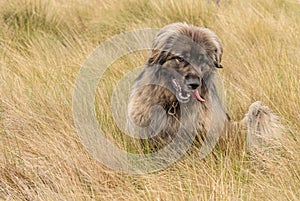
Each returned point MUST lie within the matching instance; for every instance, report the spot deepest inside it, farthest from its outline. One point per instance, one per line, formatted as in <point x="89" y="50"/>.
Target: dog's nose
<point x="192" y="83"/>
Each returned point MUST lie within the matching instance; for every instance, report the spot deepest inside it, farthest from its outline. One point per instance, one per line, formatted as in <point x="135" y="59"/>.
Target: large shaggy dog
<point x="175" y="94"/>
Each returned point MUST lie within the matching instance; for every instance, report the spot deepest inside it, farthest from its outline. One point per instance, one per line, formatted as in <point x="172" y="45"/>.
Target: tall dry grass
<point x="44" y="43"/>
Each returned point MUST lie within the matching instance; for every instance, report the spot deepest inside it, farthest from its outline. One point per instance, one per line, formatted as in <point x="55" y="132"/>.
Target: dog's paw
<point x="263" y="128"/>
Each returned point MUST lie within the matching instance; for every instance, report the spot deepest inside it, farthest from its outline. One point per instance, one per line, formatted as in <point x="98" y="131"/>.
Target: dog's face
<point x="192" y="53"/>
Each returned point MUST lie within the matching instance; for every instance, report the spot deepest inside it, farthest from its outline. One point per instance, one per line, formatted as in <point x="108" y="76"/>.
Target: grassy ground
<point x="44" y="43"/>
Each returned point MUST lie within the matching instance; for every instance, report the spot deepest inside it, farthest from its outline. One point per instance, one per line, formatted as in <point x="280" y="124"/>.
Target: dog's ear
<point x="217" y="64"/>
<point x="217" y="58"/>
<point x="157" y="57"/>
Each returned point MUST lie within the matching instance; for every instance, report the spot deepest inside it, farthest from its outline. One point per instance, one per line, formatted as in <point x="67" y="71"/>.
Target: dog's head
<point x="193" y="53"/>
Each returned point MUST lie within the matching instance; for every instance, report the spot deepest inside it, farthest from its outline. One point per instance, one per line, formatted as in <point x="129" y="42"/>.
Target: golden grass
<point x="44" y="43"/>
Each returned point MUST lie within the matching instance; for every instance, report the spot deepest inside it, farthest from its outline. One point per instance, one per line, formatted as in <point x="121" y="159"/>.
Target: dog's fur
<point x="176" y="87"/>
<point x="262" y="127"/>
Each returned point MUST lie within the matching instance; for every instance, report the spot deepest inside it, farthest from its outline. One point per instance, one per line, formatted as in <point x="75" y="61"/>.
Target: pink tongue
<point x="197" y="96"/>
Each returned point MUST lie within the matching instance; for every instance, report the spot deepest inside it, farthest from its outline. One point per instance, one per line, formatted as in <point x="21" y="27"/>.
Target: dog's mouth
<point x="184" y="96"/>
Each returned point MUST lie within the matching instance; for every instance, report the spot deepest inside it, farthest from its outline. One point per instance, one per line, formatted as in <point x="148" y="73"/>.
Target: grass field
<point x="42" y="47"/>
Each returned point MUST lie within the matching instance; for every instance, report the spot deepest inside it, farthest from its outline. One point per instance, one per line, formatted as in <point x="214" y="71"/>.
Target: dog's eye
<point x="179" y="60"/>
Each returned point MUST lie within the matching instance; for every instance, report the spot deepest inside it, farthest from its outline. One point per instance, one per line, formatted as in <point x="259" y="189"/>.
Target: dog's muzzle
<point x="192" y="83"/>
<point x="183" y="95"/>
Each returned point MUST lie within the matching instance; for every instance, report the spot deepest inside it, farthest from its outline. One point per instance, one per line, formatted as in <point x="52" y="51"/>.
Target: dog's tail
<point x="262" y="127"/>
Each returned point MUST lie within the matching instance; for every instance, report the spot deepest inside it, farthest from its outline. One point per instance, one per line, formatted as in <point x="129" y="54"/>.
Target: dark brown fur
<point x="201" y="51"/>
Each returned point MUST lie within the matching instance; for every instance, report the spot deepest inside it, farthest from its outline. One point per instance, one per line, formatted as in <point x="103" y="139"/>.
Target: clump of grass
<point x="31" y="19"/>
<point x="44" y="43"/>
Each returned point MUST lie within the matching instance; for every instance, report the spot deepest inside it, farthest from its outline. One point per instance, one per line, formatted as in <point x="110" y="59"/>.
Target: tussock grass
<point x="44" y="43"/>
